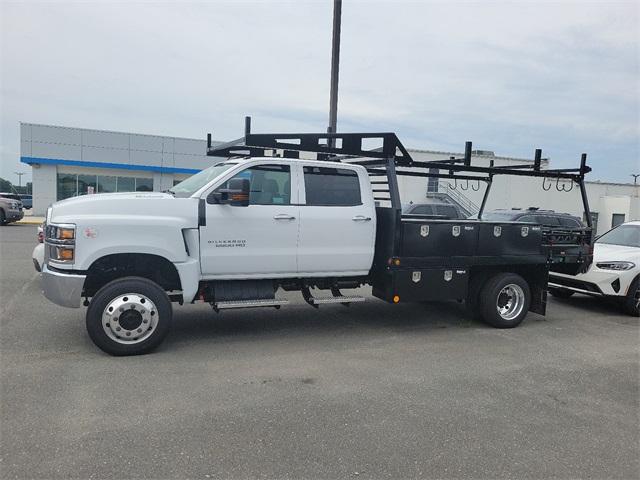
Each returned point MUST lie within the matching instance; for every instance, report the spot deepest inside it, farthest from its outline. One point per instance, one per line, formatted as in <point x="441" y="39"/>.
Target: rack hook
<point x="466" y="187"/>
<point x="544" y="187"/>
<point x="477" y="187"/>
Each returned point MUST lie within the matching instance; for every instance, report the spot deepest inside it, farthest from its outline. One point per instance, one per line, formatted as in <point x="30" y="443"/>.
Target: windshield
<point x="190" y="185"/>
<point x="625" y="235"/>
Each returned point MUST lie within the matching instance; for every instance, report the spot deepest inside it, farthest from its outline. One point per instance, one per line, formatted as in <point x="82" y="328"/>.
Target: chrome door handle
<point x="284" y="216"/>
<point x="361" y="218"/>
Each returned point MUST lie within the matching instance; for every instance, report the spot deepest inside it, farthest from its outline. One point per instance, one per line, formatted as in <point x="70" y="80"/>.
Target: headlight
<point x="61" y="232"/>
<point x="60" y="240"/>
<point x="615" y="265"/>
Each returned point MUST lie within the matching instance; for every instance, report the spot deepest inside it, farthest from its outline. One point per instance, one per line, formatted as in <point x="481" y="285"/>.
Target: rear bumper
<point x="63" y="289"/>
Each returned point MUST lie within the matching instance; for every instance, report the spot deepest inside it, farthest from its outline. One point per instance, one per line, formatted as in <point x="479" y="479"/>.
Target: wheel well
<point x="110" y="267"/>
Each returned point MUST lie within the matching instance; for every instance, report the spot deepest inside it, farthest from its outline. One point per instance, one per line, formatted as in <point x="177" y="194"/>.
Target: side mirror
<point x="236" y="194"/>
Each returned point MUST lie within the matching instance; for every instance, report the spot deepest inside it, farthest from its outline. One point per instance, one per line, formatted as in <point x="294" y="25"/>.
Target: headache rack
<point x="384" y="157"/>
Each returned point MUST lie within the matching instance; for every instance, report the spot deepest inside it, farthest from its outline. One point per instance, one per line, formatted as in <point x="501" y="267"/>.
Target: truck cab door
<point x="337" y="222"/>
<point x="254" y="241"/>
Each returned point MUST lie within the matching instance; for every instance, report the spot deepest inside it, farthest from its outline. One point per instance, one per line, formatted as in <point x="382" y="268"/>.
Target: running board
<point x="337" y="298"/>
<point x="269" y="302"/>
<point x="340" y="299"/>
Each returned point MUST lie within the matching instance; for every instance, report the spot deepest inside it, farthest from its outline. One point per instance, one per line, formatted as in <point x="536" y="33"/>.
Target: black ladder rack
<point x="389" y="158"/>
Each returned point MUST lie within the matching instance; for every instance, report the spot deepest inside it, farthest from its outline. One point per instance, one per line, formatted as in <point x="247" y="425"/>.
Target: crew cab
<point x="237" y="232"/>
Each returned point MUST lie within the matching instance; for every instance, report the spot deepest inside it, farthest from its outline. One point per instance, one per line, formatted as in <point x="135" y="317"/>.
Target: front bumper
<point x="63" y="289"/>
<point x="14" y="215"/>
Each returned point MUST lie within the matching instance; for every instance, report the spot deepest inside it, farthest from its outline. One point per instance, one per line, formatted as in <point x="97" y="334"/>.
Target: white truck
<point x="255" y="222"/>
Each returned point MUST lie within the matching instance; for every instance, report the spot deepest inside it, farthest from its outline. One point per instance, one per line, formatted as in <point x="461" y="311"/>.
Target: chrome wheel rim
<point x="510" y="301"/>
<point x="130" y="318"/>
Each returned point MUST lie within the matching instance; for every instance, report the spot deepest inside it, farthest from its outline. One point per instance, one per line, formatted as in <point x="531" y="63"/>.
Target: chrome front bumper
<point x="62" y="288"/>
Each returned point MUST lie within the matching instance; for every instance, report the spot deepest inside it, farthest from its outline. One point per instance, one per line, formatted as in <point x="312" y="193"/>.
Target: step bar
<point x="269" y="302"/>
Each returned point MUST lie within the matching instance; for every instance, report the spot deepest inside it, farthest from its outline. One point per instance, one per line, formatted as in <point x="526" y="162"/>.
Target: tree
<point x="6" y="185"/>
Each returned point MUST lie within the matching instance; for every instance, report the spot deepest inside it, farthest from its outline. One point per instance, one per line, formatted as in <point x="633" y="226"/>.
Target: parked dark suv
<point x="439" y="210"/>
<point x="534" y="215"/>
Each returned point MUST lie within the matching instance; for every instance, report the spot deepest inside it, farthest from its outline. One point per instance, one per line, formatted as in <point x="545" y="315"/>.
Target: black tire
<point x="492" y="295"/>
<point x="143" y="289"/>
<point x="631" y="304"/>
<point x="560" y="292"/>
<point x="3" y="218"/>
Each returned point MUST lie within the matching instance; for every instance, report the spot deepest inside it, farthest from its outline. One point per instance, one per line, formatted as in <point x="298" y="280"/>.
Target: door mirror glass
<point x="235" y="194"/>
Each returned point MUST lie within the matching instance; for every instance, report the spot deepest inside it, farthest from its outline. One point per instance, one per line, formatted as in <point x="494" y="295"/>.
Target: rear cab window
<point x="331" y="187"/>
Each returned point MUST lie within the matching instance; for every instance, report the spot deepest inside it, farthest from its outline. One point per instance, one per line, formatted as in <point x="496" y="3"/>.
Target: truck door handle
<point x="284" y="216"/>
<point x="361" y="218"/>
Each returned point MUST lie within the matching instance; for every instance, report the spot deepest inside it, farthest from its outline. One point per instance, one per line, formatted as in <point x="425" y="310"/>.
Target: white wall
<point x="44" y="187"/>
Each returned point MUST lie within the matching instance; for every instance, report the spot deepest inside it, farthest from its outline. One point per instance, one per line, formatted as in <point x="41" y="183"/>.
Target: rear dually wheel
<point x="504" y="300"/>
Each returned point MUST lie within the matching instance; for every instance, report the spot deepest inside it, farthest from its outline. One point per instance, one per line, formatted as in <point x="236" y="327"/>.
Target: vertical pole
<point x="537" y="160"/>
<point x="467" y="153"/>
<point x="392" y="180"/>
<point x="583" y="190"/>
<point x="335" y="66"/>
<point x="247" y="126"/>
<point x="485" y="197"/>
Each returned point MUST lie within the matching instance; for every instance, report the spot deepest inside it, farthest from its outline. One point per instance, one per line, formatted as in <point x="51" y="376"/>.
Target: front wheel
<point x="631" y="303"/>
<point x="505" y="300"/>
<point x="129" y="316"/>
<point x="3" y="218"/>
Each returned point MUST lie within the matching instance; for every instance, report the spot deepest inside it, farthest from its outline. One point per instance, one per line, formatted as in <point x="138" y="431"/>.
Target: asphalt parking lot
<point x="369" y="391"/>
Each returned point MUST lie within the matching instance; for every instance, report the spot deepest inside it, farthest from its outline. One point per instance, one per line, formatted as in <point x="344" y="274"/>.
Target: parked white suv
<point x="615" y="272"/>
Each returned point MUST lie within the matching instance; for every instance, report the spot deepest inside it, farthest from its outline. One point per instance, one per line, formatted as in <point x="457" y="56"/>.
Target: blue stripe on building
<point x="122" y="166"/>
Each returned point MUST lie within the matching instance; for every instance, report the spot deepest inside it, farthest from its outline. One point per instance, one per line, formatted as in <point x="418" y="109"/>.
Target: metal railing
<point x="455" y="196"/>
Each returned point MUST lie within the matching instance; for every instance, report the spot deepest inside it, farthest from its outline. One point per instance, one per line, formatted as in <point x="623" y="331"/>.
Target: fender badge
<point x="497" y="231"/>
<point x="90" y="232"/>
<point x="424" y="230"/>
<point x="524" y="231"/>
<point x="455" y="230"/>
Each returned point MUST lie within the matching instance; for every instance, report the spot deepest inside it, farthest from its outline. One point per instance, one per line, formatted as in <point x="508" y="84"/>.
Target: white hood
<point x="604" y="252"/>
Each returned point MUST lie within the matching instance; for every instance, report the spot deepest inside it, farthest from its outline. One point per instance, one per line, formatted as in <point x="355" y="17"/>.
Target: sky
<point x="510" y="76"/>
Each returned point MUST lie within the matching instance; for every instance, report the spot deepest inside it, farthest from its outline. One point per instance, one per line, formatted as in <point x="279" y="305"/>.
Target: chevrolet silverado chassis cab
<point x="259" y="221"/>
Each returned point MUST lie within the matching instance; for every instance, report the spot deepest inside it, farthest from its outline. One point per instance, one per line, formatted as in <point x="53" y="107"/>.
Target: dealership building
<point x="68" y="162"/>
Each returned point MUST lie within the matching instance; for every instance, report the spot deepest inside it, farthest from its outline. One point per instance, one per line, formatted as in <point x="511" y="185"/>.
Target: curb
<point x="30" y="221"/>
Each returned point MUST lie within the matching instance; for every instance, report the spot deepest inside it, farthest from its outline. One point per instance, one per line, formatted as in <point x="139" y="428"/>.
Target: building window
<point x="617" y="219"/>
<point x="144" y="184"/>
<point x="87" y="184"/>
<point x="72" y="185"/>
<point x="107" y="184"/>
<point x="67" y="186"/>
<point x="126" y="184"/>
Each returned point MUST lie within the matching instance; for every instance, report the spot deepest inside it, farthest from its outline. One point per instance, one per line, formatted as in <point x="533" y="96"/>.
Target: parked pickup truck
<point x="236" y="233"/>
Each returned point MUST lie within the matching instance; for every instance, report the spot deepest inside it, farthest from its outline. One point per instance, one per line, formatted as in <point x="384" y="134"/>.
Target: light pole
<point x="635" y="178"/>
<point x="19" y="174"/>
<point x="335" y="67"/>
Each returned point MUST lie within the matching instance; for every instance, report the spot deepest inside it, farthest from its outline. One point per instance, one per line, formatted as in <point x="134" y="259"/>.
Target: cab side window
<point x="332" y="186"/>
<point x="269" y="184"/>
